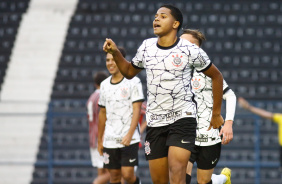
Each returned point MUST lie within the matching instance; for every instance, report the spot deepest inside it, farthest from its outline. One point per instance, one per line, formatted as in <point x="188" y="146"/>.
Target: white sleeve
<point x="230" y="98"/>
<point x="137" y="91"/>
<point x="138" y="60"/>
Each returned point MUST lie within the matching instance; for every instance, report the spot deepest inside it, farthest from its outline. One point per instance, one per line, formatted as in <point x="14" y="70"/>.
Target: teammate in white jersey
<point x="208" y="143"/>
<point x="171" y="109"/>
<point x="120" y="103"/>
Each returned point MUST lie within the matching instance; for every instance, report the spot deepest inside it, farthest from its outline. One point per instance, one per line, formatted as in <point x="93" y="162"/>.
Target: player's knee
<point x="128" y="177"/>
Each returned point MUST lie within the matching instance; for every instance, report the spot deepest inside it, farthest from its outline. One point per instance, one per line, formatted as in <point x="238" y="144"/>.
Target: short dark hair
<point x="176" y="13"/>
<point x="196" y="34"/>
<point x="122" y="51"/>
<point x="99" y="77"/>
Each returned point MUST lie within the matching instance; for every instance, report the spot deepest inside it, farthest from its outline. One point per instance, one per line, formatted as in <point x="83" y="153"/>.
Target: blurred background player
<point x="208" y="143"/>
<point x="103" y="176"/>
<point x="120" y="103"/>
<point x="275" y="117"/>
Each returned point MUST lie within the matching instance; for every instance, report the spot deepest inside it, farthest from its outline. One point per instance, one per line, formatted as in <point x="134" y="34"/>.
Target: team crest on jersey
<point x="147" y="148"/>
<point x="177" y="60"/>
<point x="196" y="83"/>
<point x="106" y="158"/>
<point x="124" y="92"/>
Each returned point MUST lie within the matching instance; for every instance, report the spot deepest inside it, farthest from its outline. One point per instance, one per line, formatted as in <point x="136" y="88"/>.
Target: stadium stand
<point x="243" y="41"/>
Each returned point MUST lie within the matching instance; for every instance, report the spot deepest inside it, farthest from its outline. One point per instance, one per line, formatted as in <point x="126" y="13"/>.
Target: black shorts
<point x="206" y="157"/>
<point x="115" y="158"/>
<point x="181" y="133"/>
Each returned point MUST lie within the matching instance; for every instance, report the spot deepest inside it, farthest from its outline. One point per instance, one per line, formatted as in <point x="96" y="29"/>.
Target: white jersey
<point x="169" y="72"/>
<point x="202" y="86"/>
<point x="117" y="99"/>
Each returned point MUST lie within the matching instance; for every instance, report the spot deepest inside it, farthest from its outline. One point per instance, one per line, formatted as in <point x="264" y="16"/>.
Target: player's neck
<point x="116" y="78"/>
<point x="167" y="40"/>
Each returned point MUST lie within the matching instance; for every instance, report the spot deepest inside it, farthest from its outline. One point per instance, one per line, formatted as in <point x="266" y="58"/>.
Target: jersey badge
<point x="147" y="148"/>
<point x="124" y="92"/>
<point x="177" y="60"/>
<point x="106" y="158"/>
<point x="196" y="83"/>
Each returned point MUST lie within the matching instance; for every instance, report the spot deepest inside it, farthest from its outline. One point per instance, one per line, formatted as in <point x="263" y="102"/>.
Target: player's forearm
<point x="217" y="90"/>
<point x="123" y="65"/>
<point x="261" y="112"/>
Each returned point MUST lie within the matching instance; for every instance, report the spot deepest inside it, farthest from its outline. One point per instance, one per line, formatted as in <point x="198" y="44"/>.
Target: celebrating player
<point x="171" y="109"/>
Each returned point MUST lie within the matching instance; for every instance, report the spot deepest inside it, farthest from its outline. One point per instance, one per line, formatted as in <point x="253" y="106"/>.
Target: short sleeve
<point x="277" y="118"/>
<point x="102" y="99"/>
<point x="138" y="60"/>
<point x="137" y="91"/>
<point x="200" y="59"/>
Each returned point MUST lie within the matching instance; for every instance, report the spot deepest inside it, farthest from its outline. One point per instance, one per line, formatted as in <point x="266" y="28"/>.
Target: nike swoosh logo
<point x="132" y="160"/>
<point x="214" y="161"/>
<point x="185" y="142"/>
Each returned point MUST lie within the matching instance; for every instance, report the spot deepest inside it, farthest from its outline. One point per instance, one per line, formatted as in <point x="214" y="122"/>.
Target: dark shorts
<point x="181" y="133"/>
<point x="206" y="157"/>
<point x="115" y="158"/>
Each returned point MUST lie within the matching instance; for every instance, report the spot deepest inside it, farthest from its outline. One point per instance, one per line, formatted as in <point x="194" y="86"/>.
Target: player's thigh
<point x="159" y="170"/>
<point x="127" y="172"/>
<point x="155" y="142"/>
<point x="115" y="175"/>
<point x="204" y="176"/>
<point x="178" y="157"/>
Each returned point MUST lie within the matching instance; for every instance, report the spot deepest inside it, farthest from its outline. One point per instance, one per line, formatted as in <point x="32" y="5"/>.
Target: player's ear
<point x="176" y="24"/>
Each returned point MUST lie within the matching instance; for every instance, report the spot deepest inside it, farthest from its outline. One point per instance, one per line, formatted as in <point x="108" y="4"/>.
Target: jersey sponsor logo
<point x="213" y="162"/>
<point x="202" y="138"/>
<point x="167" y="117"/>
<point x="106" y="158"/>
<point x="185" y="142"/>
<point x="132" y="160"/>
<point x="124" y="92"/>
<point x="177" y="60"/>
<point x="147" y="148"/>
<point x="196" y="83"/>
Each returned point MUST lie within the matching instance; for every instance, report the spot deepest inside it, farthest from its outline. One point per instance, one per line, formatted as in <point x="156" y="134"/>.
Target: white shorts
<point x="97" y="160"/>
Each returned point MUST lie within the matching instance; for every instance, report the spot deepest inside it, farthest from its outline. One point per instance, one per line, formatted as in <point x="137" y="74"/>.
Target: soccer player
<point x="171" y="109"/>
<point x="208" y="143"/>
<point x="120" y="103"/>
<point x="275" y="117"/>
<point x="93" y="113"/>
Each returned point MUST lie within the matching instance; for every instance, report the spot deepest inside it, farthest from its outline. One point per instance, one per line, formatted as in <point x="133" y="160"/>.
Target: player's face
<point x="163" y="22"/>
<point x="111" y="64"/>
<point x="190" y="38"/>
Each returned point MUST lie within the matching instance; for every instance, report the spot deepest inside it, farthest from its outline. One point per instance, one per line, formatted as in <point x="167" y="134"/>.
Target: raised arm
<point x="124" y="66"/>
<point x="217" y="90"/>
<point x="258" y="111"/>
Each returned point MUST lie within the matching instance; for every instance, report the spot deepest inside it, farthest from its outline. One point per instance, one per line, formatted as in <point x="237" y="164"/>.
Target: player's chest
<point x="118" y="92"/>
<point x="173" y="61"/>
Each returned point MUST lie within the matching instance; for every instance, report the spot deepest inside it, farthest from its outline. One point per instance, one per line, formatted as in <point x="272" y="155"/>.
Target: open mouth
<point x="156" y="25"/>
